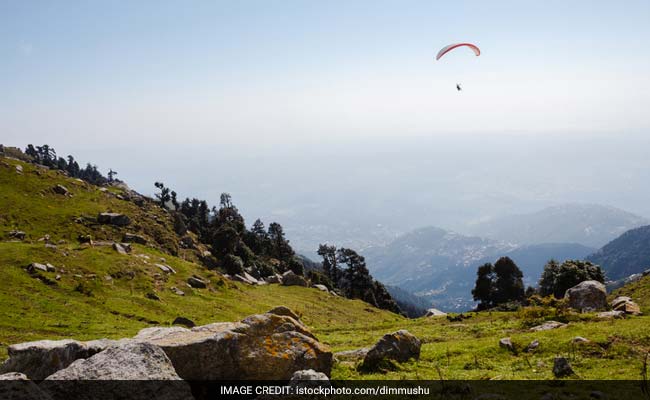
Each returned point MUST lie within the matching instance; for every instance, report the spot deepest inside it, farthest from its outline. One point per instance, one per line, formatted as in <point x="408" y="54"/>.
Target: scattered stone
<point x="532" y="346"/>
<point x="133" y="238"/>
<point x="309" y="378"/>
<point x="352" y="355"/>
<point x="177" y="291"/>
<point x="245" y="277"/>
<point x="587" y="296"/>
<point x="60" y="189"/>
<point x="547" y="326"/>
<point x="35" y="267"/>
<point x="610" y="314"/>
<point x="20" y="235"/>
<point x="113" y="219"/>
<point x="166" y="268"/>
<point x="506" y="343"/>
<point x="45" y="238"/>
<point x="433" y="312"/>
<point x="580" y="339"/>
<point x="263" y="347"/>
<point x="40" y="359"/>
<point x="50" y="267"/>
<point x="184" y="321"/>
<point x="58" y="277"/>
<point x="19" y="169"/>
<point x="120" y="249"/>
<point x="85" y="239"/>
<point x="196" y="282"/>
<point x="290" y="278"/>
<point x="152" y="296"/>
<point x="561" y="367"/>
<point x="399" y="346"/>
<point x="50" y="246"/>
<point x="322" y="288"/>
<point x="118" y="367"/>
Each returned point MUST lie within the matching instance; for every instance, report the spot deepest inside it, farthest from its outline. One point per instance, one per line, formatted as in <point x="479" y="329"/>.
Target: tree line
<point x="502" y="283"/>
<point x="46" y="155"/>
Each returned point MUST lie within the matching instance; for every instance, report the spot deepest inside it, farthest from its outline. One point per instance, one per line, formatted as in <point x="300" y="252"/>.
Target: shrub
<point x="232" y="264"/>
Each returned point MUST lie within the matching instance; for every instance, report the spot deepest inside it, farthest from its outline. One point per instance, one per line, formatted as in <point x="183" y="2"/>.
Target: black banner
<point x="239" y="390"/>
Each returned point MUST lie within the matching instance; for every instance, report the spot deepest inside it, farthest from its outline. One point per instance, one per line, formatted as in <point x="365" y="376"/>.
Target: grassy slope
<point x="82" y="306"/>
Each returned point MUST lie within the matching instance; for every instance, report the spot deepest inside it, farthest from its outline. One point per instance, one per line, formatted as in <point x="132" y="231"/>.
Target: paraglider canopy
<point x="449" y="48"/>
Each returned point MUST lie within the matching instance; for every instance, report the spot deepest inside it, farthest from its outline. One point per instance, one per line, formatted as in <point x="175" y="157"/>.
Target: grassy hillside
<point x="101" y="293"/>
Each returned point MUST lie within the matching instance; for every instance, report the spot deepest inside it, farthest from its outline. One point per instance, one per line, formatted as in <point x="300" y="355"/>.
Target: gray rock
<point x="50" y="267"/>
<point x="547" y="326"/>
<point x="196" y="282"/>
<point x="610" y="314"/>
<point x="166" y="268"/>
<point x="152" y="296"/>
<point x="289" y="278"/>
<point x="245" y="277"/>
<point x="120" y="249"/>
<point x="19" y="169"/>
<point x="264" y="347"/>
<point x="619" y="300"/>
<point x="561" y="367"/>
<point x="322" y="288"/>
<point x="113" y="219"/>
<point x="60" y="189"/>
<point x="309" y="378"/>
<point x="36" y="267"/>
<point x="506" y="343"/>
<point x="40" y="359"/>
<point x="177" y="291"/>
<point x="133" y="238"/>
<point x="117" y="367"/>
<point x="625" y="304"/>
<point x="433" y="312"/>
<point x="580" y="339"/>
<point x="399" y="346"/>
<point x="352" y="355"/>
<point x="282" y="310"/>
<point x="587" y="296"/>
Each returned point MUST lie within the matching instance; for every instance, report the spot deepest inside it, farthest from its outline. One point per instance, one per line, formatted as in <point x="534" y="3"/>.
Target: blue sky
<point x="271" y="71"/>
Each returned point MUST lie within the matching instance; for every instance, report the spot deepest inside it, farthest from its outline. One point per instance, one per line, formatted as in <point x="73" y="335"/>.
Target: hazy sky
<point x="81" y="74"/>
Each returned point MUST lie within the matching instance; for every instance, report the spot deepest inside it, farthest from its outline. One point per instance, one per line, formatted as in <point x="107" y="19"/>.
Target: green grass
<point x="85" y="304"/>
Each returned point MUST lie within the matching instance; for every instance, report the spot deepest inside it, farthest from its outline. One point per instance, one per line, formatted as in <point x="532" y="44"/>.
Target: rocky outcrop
<point x="275" y="278"/>
<point x="289" y="278"/>
<point x="506" y="343"/>
<point x="20" y="235"/>
<point x="245" y="277"/>
<point x="166" y="268"/>
<point x="320" y="287"/>
<point x="352" y="355"/>
<point x="60" y="189"/>
<point x="587" y="296"/>
<point x="40" y="359"/>
<point x="265" y="347"/>
<point x="548" y="325"/>
<point x="399" y="346"/>
<point x="117" y="367"/>
<point x="625" y="304"/>
<point x="113" y="219"/>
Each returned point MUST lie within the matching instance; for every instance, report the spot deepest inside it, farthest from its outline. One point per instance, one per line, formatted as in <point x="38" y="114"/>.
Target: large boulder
<point x="113" y="219"/>
<point x="117" y="367"/>
<point x="399" y="346"/>
<point x="290" y="278"/>
<point x="196" y="282"/>
<point x="587" y="296"/>
<point x="263" y="347"/>
<point x="40" y="359"/>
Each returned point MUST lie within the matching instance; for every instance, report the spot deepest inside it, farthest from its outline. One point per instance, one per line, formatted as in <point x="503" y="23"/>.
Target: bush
<point x="232" y="264"/>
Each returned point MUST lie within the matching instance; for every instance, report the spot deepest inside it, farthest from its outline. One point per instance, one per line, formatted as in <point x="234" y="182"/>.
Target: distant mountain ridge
<point x="440" y="266"/>
<point x="626" y="255"/>
<point x="587" y="224"/>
